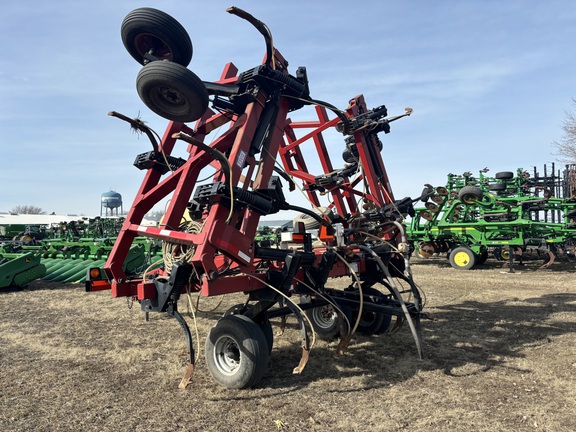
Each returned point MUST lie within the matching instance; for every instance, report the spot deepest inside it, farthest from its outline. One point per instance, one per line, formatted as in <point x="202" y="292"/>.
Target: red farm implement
<point x="209" y="227"/>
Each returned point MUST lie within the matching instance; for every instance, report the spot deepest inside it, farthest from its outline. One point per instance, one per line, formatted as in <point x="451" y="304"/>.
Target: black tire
<point x="504" y="175"/>
<point x="236" y="352"/>
<point x="266" y="327"/>
<point x="497" y="187"/>
<point x="470" y="194"/>
<point x="502" y="254"/>
<point x="481" y="257"/>
<point x="371" y="322"/>
<point x="462" y="258"/>
<point x="324" y="321"/>
<point x="262" y="321"/>
<point x="426" y="192"/>
<point x="237" y="309"/>
<point x="146" y="29"/>
<point x="172" y="91"/>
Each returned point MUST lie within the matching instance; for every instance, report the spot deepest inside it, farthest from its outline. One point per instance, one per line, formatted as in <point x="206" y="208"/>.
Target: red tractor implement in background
<point x="209" y="227"/>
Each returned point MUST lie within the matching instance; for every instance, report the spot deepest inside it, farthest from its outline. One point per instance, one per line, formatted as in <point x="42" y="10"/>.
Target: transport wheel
<point x="236" y="352"/>
<point x="266" y="327"/>
<point x="371" y="322"/>
<point x="504" y="175"/>
<point x="462" y="258"/>
<point x="324" y="321"/>
<point x="426" y="192"/>
<point x="481" y="257"/>
<point x="502" y="253"/>
<point x="470" y="194"/>
<point x="172" y="91"/>
<point x="262" y="321"/>
<point x="150" y="30"/>
<point x="497" y="187"/>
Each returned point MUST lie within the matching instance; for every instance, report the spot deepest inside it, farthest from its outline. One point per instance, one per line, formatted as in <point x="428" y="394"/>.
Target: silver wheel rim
<point x="227" y="357"/>
<point x="324" y="317"/>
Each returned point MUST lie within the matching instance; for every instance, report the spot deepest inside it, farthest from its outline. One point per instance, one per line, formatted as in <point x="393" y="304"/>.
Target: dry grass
<point x="500" y="355"/>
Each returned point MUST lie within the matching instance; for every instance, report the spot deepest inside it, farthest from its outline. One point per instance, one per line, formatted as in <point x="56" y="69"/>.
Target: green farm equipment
<point x="507" y="215"/>
<point x="20" y="269"/>
<point x="65" y="251"/>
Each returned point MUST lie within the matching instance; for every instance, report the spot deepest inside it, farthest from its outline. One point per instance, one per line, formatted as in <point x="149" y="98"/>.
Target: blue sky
<point x="489" y="82"/>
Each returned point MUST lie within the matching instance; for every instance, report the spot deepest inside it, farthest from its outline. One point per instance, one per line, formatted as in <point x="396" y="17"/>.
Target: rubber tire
<point x="504" y="175"/>
<point x="159" y="80"/>
<point x="266" y="327"/>
<point x="470" y="194"/>
<point x="247" y="356"/>
<point x="426" y="192"/>
<point x="497" y="187"/>
<point x="146" y="28"/>
<point x="502" y="254"/>
<point x="482" y="257"/>
<point x="371" y="322"/>
<point x="462" y="258"/>
<point x="324" y="321"/>
<point x="263" y="322"/>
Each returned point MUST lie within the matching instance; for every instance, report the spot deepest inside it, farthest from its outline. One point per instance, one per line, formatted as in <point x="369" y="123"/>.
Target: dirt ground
<point x="500" y="355"/>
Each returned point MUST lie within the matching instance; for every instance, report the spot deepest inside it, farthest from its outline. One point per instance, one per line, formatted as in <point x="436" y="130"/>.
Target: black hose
<point x="310" y="213"/>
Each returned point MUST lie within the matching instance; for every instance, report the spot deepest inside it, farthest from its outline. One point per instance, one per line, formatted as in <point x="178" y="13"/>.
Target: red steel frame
<point x="221" y="243"/>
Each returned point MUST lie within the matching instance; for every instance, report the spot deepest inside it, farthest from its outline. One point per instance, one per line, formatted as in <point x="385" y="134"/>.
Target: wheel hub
<point x="146" y="43"/>
<point x="172" y="96"/>
<point x="227" y="355"/>
<point x="324" y="316"/>
<point x="461" y="259"/>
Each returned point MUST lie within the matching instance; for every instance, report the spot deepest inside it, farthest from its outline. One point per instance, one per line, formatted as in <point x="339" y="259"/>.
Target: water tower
<point x="111" y="201"/>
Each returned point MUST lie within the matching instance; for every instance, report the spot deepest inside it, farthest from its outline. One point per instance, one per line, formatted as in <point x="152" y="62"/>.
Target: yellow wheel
<point x="462" y="258"/>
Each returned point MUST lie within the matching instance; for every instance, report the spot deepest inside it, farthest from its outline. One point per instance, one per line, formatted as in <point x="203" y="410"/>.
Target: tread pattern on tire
<point x="253" y="348"/>
<point x="160" y="24"/>
<point x="157" y="75"/>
